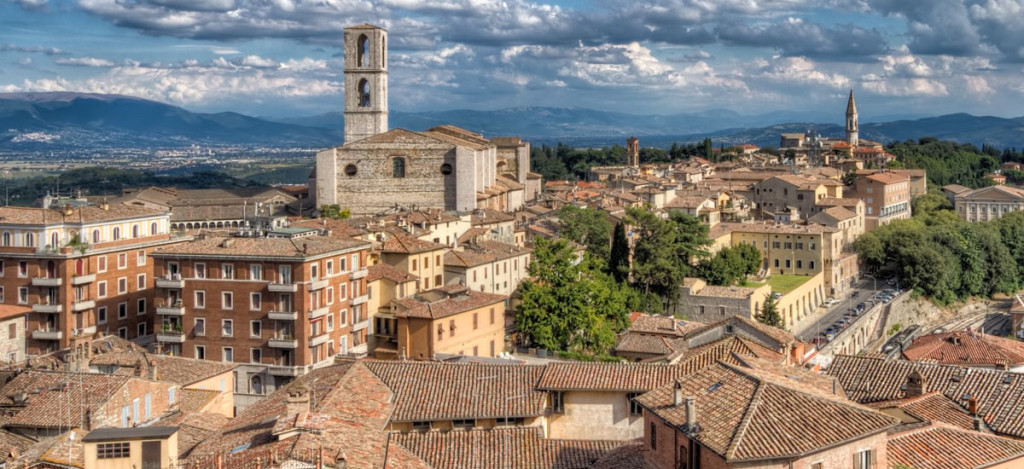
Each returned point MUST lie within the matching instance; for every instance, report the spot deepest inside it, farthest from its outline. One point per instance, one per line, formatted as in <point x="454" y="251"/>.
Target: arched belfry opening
<point x="364" y="93"/>
<point x="366" y="81"/>
<point x="363" y="51"/>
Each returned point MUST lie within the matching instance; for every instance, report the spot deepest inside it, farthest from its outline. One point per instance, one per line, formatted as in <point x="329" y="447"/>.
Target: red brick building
<point x="81" y="269"/>
<point x="278" y="304"/>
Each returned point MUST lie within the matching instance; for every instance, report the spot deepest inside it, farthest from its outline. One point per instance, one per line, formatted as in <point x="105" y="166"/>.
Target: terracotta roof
<point x="966" y="348"/>
<point x="12" y="444"/>
<point x="722" y="229"/>
<point x="929" y="407"/>
<point x="82" y="214"/>
<point x="177" y="370"/>
<point x="292" y="248"/>
<point x="378" y="271"/>
<point x="608" y="376"/>
<point x="942" y="447"/>
<point x="482" y="252"/>
<point x="629" y="456"/>
<point x="194" y="428"/>
<point x="649" y="344"/>
<point x="888" y="178"/>
<point x="57" y="451"/>
<point x="997" y="392"/>
<point x="402" y="244"/>
<point x="12" y="311"/>
<point x="838" y="213"/>
<point x="444" y="301"/>
<point x="519" y="448"/>
<point x="488" y="216"/>
<point x="741" y="412"/>
<point x="839" y="202"/>
<point x="51" y="393"/>
<point x="778" y="335"/>
<point x="426" y="391"/>
<point x="196" y="400"/>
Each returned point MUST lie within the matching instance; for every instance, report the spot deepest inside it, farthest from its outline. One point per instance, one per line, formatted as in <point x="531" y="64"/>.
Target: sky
<point x="284" y="57"/>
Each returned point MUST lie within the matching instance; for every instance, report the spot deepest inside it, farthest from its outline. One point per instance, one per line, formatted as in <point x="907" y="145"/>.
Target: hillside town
<point x="373" y="318"/>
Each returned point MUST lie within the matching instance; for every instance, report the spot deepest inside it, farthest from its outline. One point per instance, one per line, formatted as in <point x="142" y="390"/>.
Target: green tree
<point x="587" y="226"/>
<point x="709" y="149"/>
<point x="665" y="251"/>
<point x="618" y="259"/>
<point x="334" y="212"/>
<point x="770" y="313"/>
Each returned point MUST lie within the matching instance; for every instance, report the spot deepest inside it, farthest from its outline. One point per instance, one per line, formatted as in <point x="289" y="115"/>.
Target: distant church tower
<point x="366" y="82"/>
<point x="851" y="122"/>
<point x="633" y="152"/>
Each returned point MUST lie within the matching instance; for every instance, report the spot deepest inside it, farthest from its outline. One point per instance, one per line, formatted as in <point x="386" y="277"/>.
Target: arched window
<point x="135" y="231"/>
<point x="363" y="51"/>
<point x="117" y="233"/>
<point x="95" y="236"/>
<point x="398" y="167"/>
<point x="153" y="228"/>
<point x="363" y="91"/>
<point x="79" y="267"/>
<point x="30" y="239"/>
<point x="256" y="385"/>
<point x="7" y="238"/>
<point x="55" y="240"/>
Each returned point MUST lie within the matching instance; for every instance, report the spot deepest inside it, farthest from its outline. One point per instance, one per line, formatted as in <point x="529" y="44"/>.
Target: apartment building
<point x="452" y="320"/>
<point x="487" y="266"/>
<point x="81" y="269"/>
<point x="988" y="203"/>
<point x="278" y="304"/>
<point x="886" y="198"/>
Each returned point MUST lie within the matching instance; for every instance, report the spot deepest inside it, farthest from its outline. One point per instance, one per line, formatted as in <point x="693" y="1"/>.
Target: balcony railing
<point x="323" y="338"/>
<point x="283" y="287"/>
<point x="47" y="334"/>
<point x="177" y="310"/>
<point x="322" y="311"/>
<point x="45" y="308"/>
<point x="176" y="337"/>
<point x="359" y="300"/>
<point x="284" y="315"/>
<point x="284" y="370"/>
<point x="358" y="274"/>
<point x="170" y="281"/>
<point x="286" y="342"/>
<point x="47" y="282"/>
<point x="82" y="279"/>
<point x="82" y="305"/>
<point x="318" y="284"/>
<point x="361" y="325"/>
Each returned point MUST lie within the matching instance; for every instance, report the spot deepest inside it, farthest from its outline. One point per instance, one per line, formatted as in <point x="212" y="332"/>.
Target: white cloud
<point x="797" y="70"/>
<point x="978" y="86"/>
<point x="84" y="62"/>
<point x="906" y="87"/>
<point x="256" y="61"/>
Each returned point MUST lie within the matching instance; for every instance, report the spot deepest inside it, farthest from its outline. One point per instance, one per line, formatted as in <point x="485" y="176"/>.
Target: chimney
<point x="152" y="371"/>
<point x="297" y="401"/>
<point x="691" y="413"/>
<point x="67" y="209"/>
<point x="87" y="421"/>
<point x="678" y="394"/>
<point x="972" y="406"/>
<point x="916" y="385"/>
<point x="979" y="424"/>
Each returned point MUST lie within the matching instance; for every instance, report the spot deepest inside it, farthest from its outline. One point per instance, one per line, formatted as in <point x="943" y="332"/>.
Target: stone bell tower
<point x="366" y="82"/>
<point x="851" y="122"/>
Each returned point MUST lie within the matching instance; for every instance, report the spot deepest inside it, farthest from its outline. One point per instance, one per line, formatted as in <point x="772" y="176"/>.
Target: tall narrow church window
<point x="364" y="93"/>
<point x="363" y="51"/>
<point x="398" y="167"/>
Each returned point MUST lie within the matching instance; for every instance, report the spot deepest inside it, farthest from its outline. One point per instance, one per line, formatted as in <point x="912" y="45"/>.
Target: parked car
<point x="831" y="301"/>
<point x="776" y="295"/>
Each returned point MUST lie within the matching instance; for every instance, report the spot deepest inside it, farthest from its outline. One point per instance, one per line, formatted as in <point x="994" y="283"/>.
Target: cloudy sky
<point x="283" y="57"/>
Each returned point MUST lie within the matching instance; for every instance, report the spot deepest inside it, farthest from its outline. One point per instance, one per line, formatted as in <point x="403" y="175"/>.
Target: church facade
<point x="378" y="169"/>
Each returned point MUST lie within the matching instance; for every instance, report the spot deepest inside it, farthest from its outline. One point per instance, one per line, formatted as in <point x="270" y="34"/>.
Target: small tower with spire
<point x="852" y="136"/>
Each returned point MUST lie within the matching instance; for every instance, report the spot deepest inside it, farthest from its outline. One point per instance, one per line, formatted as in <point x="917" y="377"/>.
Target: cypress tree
<point x="618" y="260"/>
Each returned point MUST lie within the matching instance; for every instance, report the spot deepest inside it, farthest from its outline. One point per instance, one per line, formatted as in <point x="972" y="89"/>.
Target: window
<point x="140" y="282"/>
<point x="95" y="236"/>
<point x="329" y="268"/>
<point x="122" y="260"/>
<point x="113" y="450"/>
<point x="255" y="272"/>
<point x="1" y="294"/>
<point x="200" y="270"/>
<point x="135" y="231"/>
<point x="23" y="269"/>
<point x="200" y="327"/>
<point x="557" y="401"/>
<point x="12" y="331"/>
<point x="351" y="170"/>
<point x="122" y="310"/>
<point x="398" y="167"/>
<point x="446" y="168"/>
<point x="256" y="355"/>
<point x="22" y="295"/>
<point x="227" y="300"/>
<point x="2" y="267"/>
<point x="355" y="261"/>
<point x="812" y="265"/>
<point x="201" y="352"/>
<point x="140" y="257"/>
<point x="463" y="423"/>
<point x="256" y="383"/>
<point x="101" y="315"/>
<point x="200" y="301"/>
<point x="148" y="405"/>
<point x="122" y="285"/>
<point x="227" y="327"/>
<point x="255" y="329"/>
<point x="141" y="306"/>
<point x="330" y="322"/>
<point x="122" y="332"/>
<point x="117" y="233"/>
<point x="799" y="264"/>
<point x="227" y="271"/>
<point x="342" y="264"/>
<point x="775" y="244"/>
<point x="818" y="465"/>
<point x="153" y="228"/>
<point x="414" y="265"/>
<point x="654" y="436"/>
<point x="228" y="354"/>
<point x="101" y="263"/>
<point x="141" y="329"/>
<point x="635" y="409"/>
<point x="475" y="321"/>
<point x="865" y="459"/>
<point x="314" y="271"/>
<point x="421" y="426"/>
<point x="330" y="295"/>
<point x="343" y="317"/>
<point x="30" y="240"/>
<point x="255" y="301"/>
<point x="343" y="292"/>
<point x="172" y="395"/>
<point x="492" y="315"/>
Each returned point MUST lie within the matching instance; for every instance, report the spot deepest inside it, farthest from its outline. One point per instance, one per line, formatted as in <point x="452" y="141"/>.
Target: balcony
<point x="361" y="325"/>
<point x="45" y="308"/>
<point x="88" y="330"/>
<point x="284" y="315"/>
<point x="318" y="312"/>
<point x="77" y="280"/>
<point x="171" y="281"/>
<point x="82" y="305"/>
<point x="283" y="287"/>
<point x="47" y="334"/>
<point x="284" y="370"/>
<point x="47" y="282"/>
<point x="284" y="342"/>
<point x="174" y="337"/>
<point x="176" y="310"/>
<point x="359" y="300"/>
<point x="318" y="284"/>
<point x="358" y="274"/>
<point x="323" y="338"/>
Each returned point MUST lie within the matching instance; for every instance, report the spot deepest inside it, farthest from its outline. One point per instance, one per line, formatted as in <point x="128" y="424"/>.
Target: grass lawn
<point x="749" y="284"/>
<point x="786" y="283"/>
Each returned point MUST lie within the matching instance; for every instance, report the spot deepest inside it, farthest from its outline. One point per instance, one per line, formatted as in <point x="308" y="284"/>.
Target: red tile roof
<point x="521" y="448"/>
<point x="12" y="311"/>
<point x="943" y="447"/>
<point x="444" y="301"/>
<point x="930" y="407"/>
<point x="608" y="376"/>
<point x="966" y="348"/>
<point x="52" y="393"/>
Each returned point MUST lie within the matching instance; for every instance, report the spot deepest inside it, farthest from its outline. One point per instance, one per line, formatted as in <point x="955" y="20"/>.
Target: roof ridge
<point x="748" y="416"/>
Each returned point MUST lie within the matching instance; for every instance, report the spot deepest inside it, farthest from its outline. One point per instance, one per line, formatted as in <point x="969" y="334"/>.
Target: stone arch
<point x="363" y="92"/>
<point x="363" y="51"/>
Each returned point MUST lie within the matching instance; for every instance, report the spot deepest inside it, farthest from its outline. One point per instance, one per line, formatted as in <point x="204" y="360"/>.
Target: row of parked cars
<point x="830" y="333"/>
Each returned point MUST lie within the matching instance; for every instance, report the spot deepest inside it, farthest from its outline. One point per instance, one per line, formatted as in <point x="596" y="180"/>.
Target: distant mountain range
<point x="53" y="121"/>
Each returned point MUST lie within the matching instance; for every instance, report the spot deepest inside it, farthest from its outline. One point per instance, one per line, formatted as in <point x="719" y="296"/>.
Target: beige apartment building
<point x="488" y="266"/>
<point x="778" y="193"/>
<point x="450" y="320"/>
<point x="988" y="203"/>
<point x="886" y="198"/>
